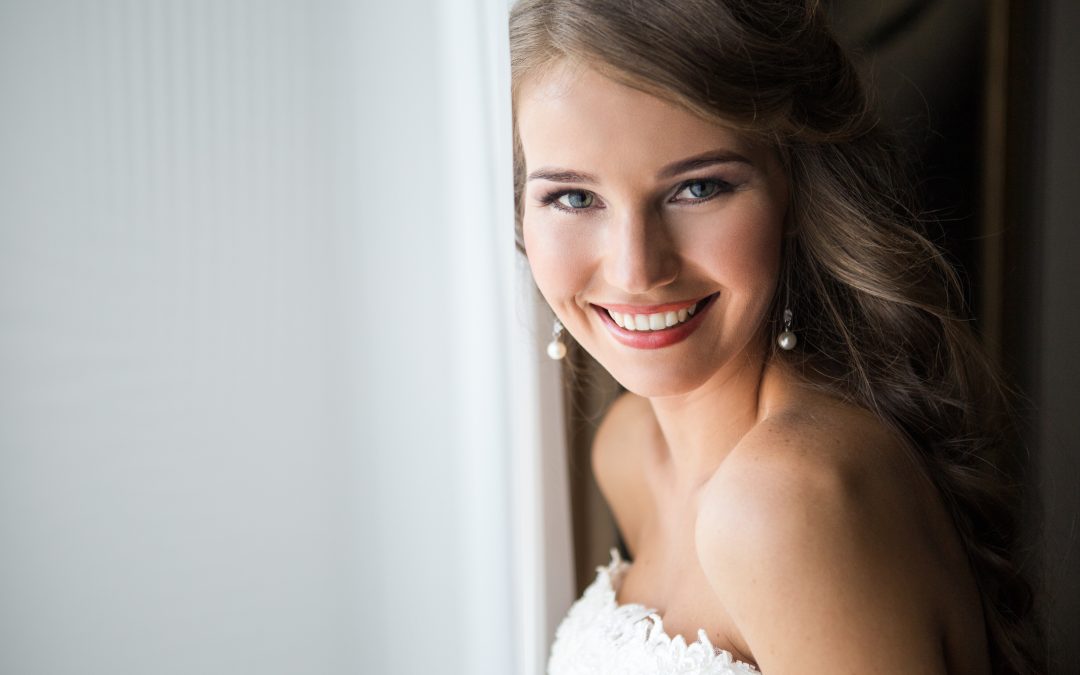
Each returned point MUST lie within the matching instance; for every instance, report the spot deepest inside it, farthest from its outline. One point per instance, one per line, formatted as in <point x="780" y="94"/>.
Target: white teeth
<point x="692" y="309"/>
<point x="647" y="322"/>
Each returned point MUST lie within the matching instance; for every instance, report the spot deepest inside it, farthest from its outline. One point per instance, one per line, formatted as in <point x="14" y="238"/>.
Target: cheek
<point x="558" y="256"/>
<point x="753" y="255"/>
<point x="743" y="255"/>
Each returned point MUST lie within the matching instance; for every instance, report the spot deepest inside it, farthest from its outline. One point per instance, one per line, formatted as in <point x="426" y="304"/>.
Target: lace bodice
<point x="601" y="637"/>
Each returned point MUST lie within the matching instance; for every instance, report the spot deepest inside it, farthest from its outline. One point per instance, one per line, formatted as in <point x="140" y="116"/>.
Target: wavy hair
<point x="879" y="310"/>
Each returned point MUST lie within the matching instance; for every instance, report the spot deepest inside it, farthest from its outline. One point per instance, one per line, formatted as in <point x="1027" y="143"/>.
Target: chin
<point x="655" y="381"/>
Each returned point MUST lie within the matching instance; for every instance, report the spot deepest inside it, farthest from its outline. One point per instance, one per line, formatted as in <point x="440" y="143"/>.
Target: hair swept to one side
<point x="880" y="311"/>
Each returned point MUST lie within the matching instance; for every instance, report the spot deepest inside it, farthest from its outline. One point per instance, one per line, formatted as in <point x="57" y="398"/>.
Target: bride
<point x="811" y="467"/>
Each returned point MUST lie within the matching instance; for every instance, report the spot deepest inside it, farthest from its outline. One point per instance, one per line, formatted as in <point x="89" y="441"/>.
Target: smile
<point x="654" y="327"/>
<point x="658" y="321"/>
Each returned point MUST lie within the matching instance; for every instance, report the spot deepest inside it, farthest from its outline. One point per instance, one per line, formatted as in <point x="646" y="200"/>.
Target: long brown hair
<point x="879" y="311"/>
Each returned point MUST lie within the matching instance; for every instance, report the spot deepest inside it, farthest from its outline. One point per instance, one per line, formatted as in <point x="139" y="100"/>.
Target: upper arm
<point x="617" y="463"/>
<point x="815" y="573"/>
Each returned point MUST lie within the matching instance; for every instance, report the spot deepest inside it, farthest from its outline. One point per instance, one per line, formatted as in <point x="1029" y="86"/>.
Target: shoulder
<point x="811" y="538"/>
<point x="618" y="457"/>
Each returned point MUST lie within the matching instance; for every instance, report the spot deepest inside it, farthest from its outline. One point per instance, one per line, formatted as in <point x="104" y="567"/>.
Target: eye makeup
<point x="555" y="198"/>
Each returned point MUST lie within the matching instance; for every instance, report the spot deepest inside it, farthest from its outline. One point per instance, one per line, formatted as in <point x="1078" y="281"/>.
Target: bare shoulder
<point x="814" y="537"/>
<point x="833" y="471"/>
<point x="618" y="462"/>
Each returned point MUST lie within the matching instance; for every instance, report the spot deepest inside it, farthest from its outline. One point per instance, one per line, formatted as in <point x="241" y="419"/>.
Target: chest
<point x="667" y="576"/>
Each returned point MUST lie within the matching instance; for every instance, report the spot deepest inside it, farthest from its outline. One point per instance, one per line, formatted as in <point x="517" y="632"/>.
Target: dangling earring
<point x="787" y="339"/>
<point x="556" y="349"/>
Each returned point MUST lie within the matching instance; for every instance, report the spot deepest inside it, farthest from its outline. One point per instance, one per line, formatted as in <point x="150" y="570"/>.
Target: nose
<point x="640" y="253"/>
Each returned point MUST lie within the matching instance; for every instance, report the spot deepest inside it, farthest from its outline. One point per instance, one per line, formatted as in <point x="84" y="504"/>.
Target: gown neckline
<point x="612" y="577"/>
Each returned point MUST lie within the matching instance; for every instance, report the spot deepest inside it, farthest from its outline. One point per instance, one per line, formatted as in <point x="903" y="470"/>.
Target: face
<point x="653" y="234"/>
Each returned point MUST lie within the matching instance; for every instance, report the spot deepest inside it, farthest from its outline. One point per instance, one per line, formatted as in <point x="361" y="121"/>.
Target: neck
<point x="701" y="427"/>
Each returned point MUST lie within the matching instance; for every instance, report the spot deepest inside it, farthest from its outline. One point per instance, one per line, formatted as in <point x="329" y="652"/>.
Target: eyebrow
<point x="669" y="171"/>
<point x="699" y="161"/>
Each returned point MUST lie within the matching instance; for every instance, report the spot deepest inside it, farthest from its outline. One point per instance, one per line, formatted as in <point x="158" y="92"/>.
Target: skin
<point x="793" y="528"/>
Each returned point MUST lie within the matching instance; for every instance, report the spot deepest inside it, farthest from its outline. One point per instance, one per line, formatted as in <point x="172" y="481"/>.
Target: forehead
<point x="574" y="116"/>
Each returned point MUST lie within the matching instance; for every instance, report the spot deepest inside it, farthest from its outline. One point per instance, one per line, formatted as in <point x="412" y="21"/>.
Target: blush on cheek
<point x="761" y="240"/>
<point x="557" y="263"/>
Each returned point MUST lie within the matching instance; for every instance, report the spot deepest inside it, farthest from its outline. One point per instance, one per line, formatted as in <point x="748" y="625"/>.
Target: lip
<point x="654" y="339"/>
<point x="651" y="309"/>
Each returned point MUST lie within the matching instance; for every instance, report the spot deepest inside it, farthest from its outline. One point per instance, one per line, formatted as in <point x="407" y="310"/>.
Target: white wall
<point x="257" y="326"/>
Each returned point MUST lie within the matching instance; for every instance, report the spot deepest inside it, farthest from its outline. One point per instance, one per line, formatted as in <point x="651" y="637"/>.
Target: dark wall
<point x="987" y="94"/>
<point x="1048" y="224"/>
<point x="925" y="62"/>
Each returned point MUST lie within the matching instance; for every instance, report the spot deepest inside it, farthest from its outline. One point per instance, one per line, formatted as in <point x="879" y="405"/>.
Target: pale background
<point x="271" y="391"/>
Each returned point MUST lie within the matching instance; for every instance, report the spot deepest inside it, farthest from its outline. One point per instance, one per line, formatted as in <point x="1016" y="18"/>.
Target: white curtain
<point x="271" y="390"/>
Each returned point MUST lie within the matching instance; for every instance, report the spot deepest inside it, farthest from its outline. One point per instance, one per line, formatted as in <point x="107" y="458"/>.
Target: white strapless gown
<point x="600" y="637"/>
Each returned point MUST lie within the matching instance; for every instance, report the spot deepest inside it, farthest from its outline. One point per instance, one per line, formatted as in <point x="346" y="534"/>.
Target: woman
<point x="810" y="468"/>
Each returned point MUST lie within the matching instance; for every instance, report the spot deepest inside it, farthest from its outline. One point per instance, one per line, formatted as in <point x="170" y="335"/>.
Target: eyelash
<point x="724" y="187"/>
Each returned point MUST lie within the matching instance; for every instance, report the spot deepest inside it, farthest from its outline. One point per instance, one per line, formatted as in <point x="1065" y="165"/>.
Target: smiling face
<point x="653" y="234"/>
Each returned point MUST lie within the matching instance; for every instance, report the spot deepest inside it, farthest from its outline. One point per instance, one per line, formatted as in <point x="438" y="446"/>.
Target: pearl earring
<point x="787" y="339"/>
<point x="556" y="349"/>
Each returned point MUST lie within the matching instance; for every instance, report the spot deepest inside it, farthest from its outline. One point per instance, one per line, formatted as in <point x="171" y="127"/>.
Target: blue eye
<point x="571" y="201"/>
<point x="576" y="199"/>
<point x="701" y="189"/>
